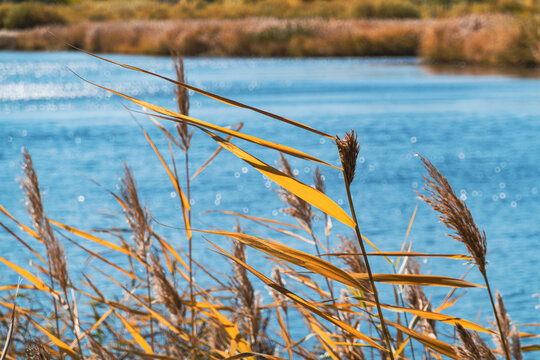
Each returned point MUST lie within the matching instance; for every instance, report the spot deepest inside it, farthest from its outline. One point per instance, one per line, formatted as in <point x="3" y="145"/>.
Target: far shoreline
<point x="487" y="40"/>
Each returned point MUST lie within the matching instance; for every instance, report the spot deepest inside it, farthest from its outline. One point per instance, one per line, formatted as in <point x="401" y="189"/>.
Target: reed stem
<point x="503" y="340"/>
<point x="374" y="288"/>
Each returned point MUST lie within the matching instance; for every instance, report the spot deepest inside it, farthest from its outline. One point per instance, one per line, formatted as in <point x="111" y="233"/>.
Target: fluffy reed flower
<point x="165" y="291"/>
<point x="348" y="152"/>
<point x="472" y="346"/>
<point x="417" y="299"/>
<point x="298" y="207"/>
<point x="136" y="215"/>
<point x="318" y="180"/>
<point x="34" y="206"/>
<point x="354" y="262"/>
<point x="454" y="214"/>
<point x="182" y="100"/>
<point x="505" y="325"/>
<point x="515" y="344"/>
<point x="250" y="303"/>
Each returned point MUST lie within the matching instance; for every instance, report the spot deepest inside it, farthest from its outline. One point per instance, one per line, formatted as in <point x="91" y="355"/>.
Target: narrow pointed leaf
<point x="303" y="191"/>
<point x="62" y="345"/>
<point x="306" y="304"/>
<point x="174" y="116"/>
<point x="213" y="96"/>
<point x="413" y="279"/>
<point x="293" y="256"/>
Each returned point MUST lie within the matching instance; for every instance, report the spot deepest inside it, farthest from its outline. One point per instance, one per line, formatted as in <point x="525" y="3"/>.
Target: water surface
<point x="481" y="130"/>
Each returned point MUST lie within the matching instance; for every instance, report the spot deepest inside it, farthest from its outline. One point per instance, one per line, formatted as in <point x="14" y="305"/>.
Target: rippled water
<point x="481" y="131"/>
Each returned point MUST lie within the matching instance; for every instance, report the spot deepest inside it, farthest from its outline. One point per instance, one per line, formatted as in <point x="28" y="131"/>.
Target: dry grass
<point x="159" y="310"/>
<point x="476" y="39"/>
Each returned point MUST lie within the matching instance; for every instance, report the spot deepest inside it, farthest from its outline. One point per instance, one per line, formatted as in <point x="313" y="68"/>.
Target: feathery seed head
<point x="348" y="149"/>
<point x="454" y="214"/>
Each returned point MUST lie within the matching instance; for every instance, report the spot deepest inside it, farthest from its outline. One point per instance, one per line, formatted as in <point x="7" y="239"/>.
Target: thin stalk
<point x="72" y="317"/>
<point x="191" y="294"/>
<point x="374" y="288"/>
<point x="503" y="340"/>
<point x="54" y="302"/>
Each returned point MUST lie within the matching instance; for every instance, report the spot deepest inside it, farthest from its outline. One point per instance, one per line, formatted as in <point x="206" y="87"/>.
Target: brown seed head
<point x="505" y="322"/>
<point x="348" y="152"/>
<point x="182" y="100"/>
<point x="298" y="207"/>
<point x="472" y="346"/>
<point x="318" y="180"/>
<point x="165" y="291"/>
<point x="137" y="216"/>
<point x="515" y="344"/>
<point x="454" y="214"/>
<point x="34" y="206"/>
<point x="417" y="299"/>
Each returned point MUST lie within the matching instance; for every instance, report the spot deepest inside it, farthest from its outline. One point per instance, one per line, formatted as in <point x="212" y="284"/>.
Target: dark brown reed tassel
<point x="298" y="207"/>
<point x="454" y="214"/>
<point x="348" y="152"/>
<point x="318" y="180"/>
<point x="472" y="346"/>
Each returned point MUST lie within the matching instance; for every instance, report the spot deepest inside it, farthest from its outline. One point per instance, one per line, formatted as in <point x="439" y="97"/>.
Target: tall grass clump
<point x="158" y="309"/>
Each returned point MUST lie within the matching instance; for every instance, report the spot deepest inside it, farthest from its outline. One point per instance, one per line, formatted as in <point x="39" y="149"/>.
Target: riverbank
<point x="480" y="39"/>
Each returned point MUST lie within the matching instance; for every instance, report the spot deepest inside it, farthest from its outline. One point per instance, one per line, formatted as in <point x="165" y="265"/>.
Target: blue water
<point x="481" y="131"/>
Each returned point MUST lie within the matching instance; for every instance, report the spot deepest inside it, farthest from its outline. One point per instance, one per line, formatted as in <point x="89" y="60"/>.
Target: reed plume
<point x="249" y="303"/>
<point x="182" y="101"/>
<point x="354" y="263"/>
<point x="34" y="206"/>
<point x="166" y="292"/>
<point x="472" y="346"/>
<point x="415" y="296"/>
<point x="348" y="148"/>
<point x="515" y="344"/>
<point x="136" y="215"/>
<point x="298" y="207"/>
<point x="456" y="216"/>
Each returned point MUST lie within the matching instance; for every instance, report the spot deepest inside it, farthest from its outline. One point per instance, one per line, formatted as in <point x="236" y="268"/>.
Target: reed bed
<point x="493" y="40"/>
<point x="160" y="311"/>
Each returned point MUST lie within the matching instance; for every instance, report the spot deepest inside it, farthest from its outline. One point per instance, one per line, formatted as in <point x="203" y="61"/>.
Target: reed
<point x="160" y="310"/>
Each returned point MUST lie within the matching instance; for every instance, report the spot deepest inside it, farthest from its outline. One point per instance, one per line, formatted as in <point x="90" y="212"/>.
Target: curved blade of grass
<point x="173" y="179"/>
<point x="136" y="335"/>
<point x="93" y="327"/>
<point x="528" y="348"/>
<point x="154" y="313"/>
<point x="300" y="301"/>
<point x="303" y="191"/>
<point x="21" y="225"/>
<point x="252" y="217"/>
<point x="406" y="253"/>
<point x="452" y="320"/>
<point x="27" y="275"/>
<point x="213" y="96"/>
<point x="293" y="256"/>
<point x="413" y="279"/>
<point x="110" y="263"/>
<point x="238" y="342"/>
<point x="434" y="344"/>
<point x="23" y="242"/>
<point x="93" y="238"/>
<point x="174" y="116"/>
<point x="61" y="345"/>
